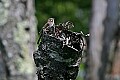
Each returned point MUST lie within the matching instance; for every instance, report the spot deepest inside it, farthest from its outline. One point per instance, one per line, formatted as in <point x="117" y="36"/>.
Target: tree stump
<point x="55" y="61"/>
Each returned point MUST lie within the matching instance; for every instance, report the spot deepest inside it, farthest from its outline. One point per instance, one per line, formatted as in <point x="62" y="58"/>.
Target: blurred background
<point x="20" y="22"/>
<point x="77" y="11"/>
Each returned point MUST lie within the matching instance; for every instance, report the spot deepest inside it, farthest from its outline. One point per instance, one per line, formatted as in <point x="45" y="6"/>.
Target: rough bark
<point x="17" y="33"/>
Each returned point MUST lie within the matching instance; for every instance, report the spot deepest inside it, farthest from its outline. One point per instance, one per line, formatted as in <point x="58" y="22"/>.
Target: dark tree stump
<point x="55" y="61"/>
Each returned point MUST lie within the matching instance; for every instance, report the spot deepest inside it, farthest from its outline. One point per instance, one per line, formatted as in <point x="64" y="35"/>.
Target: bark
<point x="96" y="32"/>
<point x="17" y="33"/>
<point x="115" y="73"/>
<point x="110" y="29"/>
<point x="3" y="66"/>
<point x="103" y="30"/>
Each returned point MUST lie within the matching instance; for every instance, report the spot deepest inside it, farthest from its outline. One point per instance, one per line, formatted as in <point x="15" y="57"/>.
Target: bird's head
<point x="51" y="21"/>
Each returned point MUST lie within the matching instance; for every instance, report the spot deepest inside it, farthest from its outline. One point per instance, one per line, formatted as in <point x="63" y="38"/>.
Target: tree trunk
<point x="103" y="30"/>
<point x="17" y="39"/>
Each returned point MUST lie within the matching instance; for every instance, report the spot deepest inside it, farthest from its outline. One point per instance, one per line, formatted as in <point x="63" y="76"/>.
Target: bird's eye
<point x="51" y="20"/>
<point x="70" y="23"/>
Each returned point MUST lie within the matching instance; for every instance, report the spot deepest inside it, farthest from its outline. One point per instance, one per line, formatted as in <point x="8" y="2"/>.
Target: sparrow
<point x="49" y="23"/>
<point x="49" y="27"/>
<point x="46" y="28"/>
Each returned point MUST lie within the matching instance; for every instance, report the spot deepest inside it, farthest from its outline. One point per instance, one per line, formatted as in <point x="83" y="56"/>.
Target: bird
<point x="49" y="23"/>
<point x="47" y="28"/>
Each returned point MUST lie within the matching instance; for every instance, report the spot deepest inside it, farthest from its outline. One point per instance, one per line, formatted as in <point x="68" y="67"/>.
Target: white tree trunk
<point x="17" y="33"/>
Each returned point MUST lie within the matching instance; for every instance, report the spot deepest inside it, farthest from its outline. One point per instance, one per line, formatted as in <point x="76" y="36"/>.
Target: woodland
<point x="84" y="46"/>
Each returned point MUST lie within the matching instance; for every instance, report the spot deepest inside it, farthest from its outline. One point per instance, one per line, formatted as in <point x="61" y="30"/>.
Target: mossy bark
<point x="17" y="33"/>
